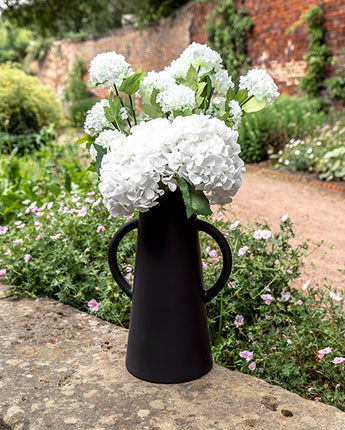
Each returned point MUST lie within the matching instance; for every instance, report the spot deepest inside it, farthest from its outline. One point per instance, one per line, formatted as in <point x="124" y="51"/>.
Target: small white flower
<point x="236" y="113"/>
<point x="95" y="120"/>
<point x="176" y="97"/>
<point x="260" y="85"/>
<point x="109" y="68"/>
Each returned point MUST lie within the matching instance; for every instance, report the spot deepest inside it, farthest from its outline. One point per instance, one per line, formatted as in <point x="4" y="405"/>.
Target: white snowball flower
<point x="176" y="97"/>
<point x="236" y="113"/>
<point x="155" y="80"/>
<point x="200" y="149"/>
<point x="110" y="139"/>
<point x="93" y="152"/>
<point x="221" y="82"/>
<point x="95" y="120"/>
<point x="260" y="85"/>
<point x="201" y="57"/>
<point x="109" y="68"/>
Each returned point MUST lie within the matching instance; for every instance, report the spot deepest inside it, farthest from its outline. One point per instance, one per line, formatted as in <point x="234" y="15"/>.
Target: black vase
<point x="168" y="335"/>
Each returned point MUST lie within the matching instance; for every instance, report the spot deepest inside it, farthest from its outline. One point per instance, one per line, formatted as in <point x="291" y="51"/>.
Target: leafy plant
<point x="25" y="104"/>
<point x="318" y="55"/>
<point x="227" y="28"/>
<point x="260" y="324"/>
<point x="332" y="165"/>
<point x="79" y="110"/>
<point x="268" y="131"/>
<point x="336" y="84"/>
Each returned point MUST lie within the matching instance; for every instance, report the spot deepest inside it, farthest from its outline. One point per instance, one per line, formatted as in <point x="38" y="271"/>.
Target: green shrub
<point x="322" y="153"/>
<point x="75" y="89"/>
<point x="271" y="129"/>
<point x="79" y="110"/>
<point x="45" y="176"/>
<point x="25" y="104"/>
<point x="60" y="250"/>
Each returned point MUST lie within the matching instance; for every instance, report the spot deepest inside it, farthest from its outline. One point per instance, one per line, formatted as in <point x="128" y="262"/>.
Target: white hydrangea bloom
<point x="221" y="82"/>
<point x="176" y="97"/>
<point x="235" y="113"/>
<point x="110" y="139"/>
<point x="93" y="152"/>
<point x="95" y="120"/>
<point x="260" y="85"/>
<point x="202" y="150"/>
<point x="201" y="57"/>
<point x="109" y="68"/>
<point x="158" y="80"/>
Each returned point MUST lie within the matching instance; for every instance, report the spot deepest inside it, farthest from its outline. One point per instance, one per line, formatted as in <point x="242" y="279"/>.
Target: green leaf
<point x="199" y="97"/>
<point x="195" y="200"/>
<point x="192" y="78"/>
<point x="241" y="96"/>
<point x="100" y="152"/>
<point x="254" y="105"/>
<point x="230" y="95"/>
<point x="131" y="84"/>
<point x="85" y="138"/>
<point x="151" y="111"/>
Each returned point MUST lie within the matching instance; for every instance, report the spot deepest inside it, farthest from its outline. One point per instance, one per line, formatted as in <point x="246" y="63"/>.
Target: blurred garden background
<point x="53" y="229"/>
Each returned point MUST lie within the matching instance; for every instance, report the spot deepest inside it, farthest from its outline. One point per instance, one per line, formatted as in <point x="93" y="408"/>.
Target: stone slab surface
<point x="64" y="369"/>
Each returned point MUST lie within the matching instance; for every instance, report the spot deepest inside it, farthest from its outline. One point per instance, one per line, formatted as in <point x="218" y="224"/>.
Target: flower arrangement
<point x="186" y="138"/>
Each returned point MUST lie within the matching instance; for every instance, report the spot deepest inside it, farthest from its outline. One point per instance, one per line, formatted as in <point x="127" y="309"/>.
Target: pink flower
<point x="204" y="265"/>
<point x="93" y="305"/>
<point x="50" y="205"/>
<point x="89" y="200"/>
<point x="2" y="272"/>
<point x="75" y="199"/>
<point x="252" y="366"/>
<point x="267" y="298"/>
<point x="323" y="352"/>
<point x="289" y="341"/>
<point x="100" y="228"/>
<point x="82" y="212"/>
<point x="26" y="202"/>
<point x="221" y="216"/>
<point x="243" y="250"/>
<point x="3" y="229"/>
<point x="335" y="296"/>
<point x="21" y="225"/>
<point x="248" y="355"/>
<point x="39" y="214"/>
<point x="257" y="234"/>
<point x="97" y="202"/>
<point x="300" y="302"/>
<point x="338" y="360"/>
<point x="56" y="236"/>
<point x="238" y="320"/>
<point x="18" y="241"/>
<point x="286" y="295"/>
<point x="27" y="257"/>
<point x="231" y="285"/>
<point x="234" y="225"/>
<point x="285" y="217"/>
<point x="262" y="234"/>
<point x="306" y="284"/>
<point x="38" y="237"/>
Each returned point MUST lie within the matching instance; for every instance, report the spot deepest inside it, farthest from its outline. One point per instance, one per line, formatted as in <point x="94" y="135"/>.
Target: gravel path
<point x="317" y="213"/>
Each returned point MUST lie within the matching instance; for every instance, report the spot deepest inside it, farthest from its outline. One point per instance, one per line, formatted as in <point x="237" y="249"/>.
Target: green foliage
<point x="227" y="28"/>
<point x="79" y="110"/>
<point x="25" y="104"/>
<point x="14" y="42"/>
<point x="75" y="89"/>
<point x="42" y="177"/>
<point x="150" y="11"/>
<point x="336" y="84"/>
<point x="332" y="164"/>
<point x="271" y="129"/>
<point x="318" y="54"/>
<point x="66" y="258"/>
<point x="195" y="200"/>
<point x="322" y="152"/>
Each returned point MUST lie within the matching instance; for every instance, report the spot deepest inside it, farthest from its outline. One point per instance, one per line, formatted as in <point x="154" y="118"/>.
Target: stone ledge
<point x="64" y="369"/>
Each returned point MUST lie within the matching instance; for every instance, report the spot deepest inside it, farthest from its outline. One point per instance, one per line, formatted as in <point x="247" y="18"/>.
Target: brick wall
<point x="268" y="44"/>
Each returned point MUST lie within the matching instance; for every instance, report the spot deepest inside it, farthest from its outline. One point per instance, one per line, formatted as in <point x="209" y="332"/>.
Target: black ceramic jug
<point x="168" y="335"/>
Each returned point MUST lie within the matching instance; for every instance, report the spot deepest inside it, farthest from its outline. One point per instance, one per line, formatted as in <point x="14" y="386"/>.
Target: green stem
<point x="133" y="110"/>
<point x="221" y="315"/>
<point x="209" y="99"/>
<point x="246" y="100"/>
<point x="118" y="95"/>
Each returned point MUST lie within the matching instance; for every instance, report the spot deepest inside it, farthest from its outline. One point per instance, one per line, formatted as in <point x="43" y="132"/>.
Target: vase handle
<point x="227" y="257"/>
<point x="112" y="256"/>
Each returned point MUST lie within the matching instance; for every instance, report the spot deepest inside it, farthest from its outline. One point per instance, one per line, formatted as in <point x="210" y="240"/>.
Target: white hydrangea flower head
<point x="200" y="149"/>
<point x="235" y="113"/>
<point x="95" y="120"/>
<point x="110" y="139"/>
<point x="221" y="82"/>
<point x="201" y="57"/>
<point x="260" y="85"/>
<point x="176" y="97"/>
<point x="155" y="80"/>
<point x="108" y="69"/>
